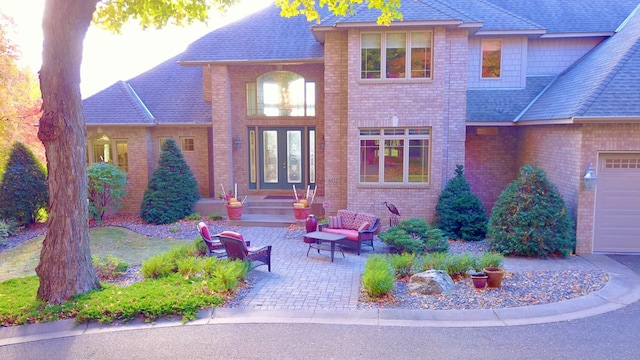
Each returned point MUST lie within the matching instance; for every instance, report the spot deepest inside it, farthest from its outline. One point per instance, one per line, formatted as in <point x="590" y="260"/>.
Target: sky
<point x="103" y="61"/>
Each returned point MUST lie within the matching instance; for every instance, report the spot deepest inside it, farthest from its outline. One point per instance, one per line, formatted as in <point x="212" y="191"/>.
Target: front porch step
<point x="267" y="220"/>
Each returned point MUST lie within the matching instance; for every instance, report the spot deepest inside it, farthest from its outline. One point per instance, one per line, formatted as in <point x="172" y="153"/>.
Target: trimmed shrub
<point x="106" y="188"/>
<point x="459" y="212"/>
<point x="24" y="189"/>
<point x="172" y="190"/>
<point x="530" y="218"/>
<point x="414" y="236"/>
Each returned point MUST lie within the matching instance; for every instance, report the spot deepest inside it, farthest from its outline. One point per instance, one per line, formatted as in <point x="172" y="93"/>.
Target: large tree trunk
<point x="65" y="267"/>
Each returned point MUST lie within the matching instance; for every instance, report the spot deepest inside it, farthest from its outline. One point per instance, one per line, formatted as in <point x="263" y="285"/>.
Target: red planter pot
<point x="234" y="212"/>
<point x="301" y="214"/>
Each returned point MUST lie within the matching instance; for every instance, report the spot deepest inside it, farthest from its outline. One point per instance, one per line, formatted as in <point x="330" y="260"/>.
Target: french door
<point x="284" y="157"/>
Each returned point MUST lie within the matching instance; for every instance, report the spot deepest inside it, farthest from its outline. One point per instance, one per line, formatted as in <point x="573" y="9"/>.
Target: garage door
<point x="617" y="217"/>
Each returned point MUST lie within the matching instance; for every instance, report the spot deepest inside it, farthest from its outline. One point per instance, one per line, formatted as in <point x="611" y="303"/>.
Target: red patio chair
<point x="214" y="246"/>
<point x="238" y="250"/>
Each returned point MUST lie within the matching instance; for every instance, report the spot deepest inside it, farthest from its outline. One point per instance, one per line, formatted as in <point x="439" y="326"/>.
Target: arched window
<point x="281" y="93"/>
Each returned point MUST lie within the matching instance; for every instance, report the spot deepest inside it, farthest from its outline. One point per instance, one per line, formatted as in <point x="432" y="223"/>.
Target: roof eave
<point x="577" y="34"/>
<point x="562" y="121"/>
<point x="605" y="119"/>
<point x="120" y="124"/>
<point x="529" y="32"/>
<point x="253" y="62"/>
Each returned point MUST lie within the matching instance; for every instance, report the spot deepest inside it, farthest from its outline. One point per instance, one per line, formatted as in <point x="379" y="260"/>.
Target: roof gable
<point x="604" y="83"/>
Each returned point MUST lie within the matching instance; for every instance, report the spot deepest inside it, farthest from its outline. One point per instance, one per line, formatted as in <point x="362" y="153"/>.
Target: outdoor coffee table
<point x="321" y="237"/>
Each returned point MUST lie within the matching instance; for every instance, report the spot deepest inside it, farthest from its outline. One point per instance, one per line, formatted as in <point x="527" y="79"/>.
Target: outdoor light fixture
<point x="237" y="142"/>
<point x="590" y="178"/>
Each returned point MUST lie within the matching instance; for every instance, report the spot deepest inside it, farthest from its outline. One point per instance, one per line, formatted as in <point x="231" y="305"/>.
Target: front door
<point x="282" y="153"/>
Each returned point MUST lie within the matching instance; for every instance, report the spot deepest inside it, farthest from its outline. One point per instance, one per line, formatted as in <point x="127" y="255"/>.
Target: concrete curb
<point x="622" y="289"/>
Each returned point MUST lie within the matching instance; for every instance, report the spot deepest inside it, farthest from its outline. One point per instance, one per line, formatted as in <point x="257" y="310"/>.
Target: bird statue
<point x="393" y="220"/>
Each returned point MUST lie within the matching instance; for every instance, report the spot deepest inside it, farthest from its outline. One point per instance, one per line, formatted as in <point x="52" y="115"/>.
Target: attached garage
<point x="617" y="212"/>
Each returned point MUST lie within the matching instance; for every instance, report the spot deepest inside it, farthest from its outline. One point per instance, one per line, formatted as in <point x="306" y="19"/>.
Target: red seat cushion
<point x="204" y="230"/>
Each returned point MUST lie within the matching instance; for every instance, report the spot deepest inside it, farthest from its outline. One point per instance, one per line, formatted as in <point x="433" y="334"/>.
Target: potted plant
<point x="478" y="277"/>
<point x="233" y="205"/>
<point x="302" y="206"/>
<point x="490" y="263"/>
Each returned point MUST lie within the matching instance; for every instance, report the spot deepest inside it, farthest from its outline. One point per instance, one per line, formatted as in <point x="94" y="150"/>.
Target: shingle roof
<point x="499" y="105"/>
<point x="264" y="35"/>
<point x="464" y="11"/>
<point x="567" y="16"/>
<point x="168" y="93"/>
<point x="604" y="83"/>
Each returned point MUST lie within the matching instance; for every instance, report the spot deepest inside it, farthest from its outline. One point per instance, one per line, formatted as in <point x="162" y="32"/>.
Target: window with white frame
<point x="100" y="149"/>
<point x="281" y="93"/>
<point x="406" y="55"/>
<point x="394" y="155"/>
<point x="491" y="58"/>
<point x="188" y="144"/>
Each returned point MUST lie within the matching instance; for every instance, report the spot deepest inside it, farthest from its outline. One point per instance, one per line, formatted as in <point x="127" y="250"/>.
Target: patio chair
<point x="238" y="250"/>
<point x="214" y="247"/>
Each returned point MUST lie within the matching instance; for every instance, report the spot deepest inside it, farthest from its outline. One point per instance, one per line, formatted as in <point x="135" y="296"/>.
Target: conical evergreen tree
<point x="172" y="190"/>
<point x="23" y="191"/>
<point x="459" y="212"/>
<point x="530" y="218"/>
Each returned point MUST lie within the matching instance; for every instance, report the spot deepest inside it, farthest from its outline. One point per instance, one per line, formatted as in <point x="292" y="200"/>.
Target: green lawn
<point x="125" y="244"/>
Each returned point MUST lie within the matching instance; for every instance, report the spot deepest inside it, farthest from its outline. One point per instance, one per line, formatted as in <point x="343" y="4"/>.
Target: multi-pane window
<point x="188" y="144"/>
<point x="491" y="58"/>
<point x="394" y="59"/>
<point x="100" y="149"/>
<point x="281" y="93"/>
<point x="394" y="155"/>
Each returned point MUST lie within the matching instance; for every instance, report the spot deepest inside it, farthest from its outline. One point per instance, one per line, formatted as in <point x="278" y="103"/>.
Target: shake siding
<point x="514" y="59"/>
<point x="553" y="56"/>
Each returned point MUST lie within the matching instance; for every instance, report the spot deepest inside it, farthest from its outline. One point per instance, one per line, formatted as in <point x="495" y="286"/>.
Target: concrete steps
<point x="258" y="211"/>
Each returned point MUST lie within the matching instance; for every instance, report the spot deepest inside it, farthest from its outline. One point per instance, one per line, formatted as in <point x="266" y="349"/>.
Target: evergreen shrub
<point x="24" y="190"/>
<point x="172" y="190"/>
<point x="459" y="212"/>
<point x="414" y="236"/>
<point x="530" y="218"/>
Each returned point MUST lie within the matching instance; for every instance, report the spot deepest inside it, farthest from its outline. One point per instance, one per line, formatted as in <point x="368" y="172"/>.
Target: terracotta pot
<point x="234" y="212"/>
<point x="495" y="276"/>
<point x="301" y="214"/>
<point x="479" y="280"/>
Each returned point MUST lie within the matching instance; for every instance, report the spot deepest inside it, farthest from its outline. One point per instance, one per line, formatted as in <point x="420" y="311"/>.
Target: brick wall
<point x="438" y="103"/>
<point x="491" y="162"/>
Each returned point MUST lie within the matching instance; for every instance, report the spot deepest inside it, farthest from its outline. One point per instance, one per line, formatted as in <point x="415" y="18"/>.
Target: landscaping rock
<point x="431" y="282"/>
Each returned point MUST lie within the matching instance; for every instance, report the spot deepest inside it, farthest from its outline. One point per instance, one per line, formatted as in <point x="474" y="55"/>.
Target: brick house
<point x="268" y="103"/>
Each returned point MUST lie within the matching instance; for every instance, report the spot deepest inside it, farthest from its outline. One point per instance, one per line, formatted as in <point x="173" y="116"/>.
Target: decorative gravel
<point x="518" y="288"/>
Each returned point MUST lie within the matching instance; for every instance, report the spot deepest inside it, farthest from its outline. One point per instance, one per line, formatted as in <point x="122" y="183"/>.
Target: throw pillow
<point x="335" y="222"/>
<point x="364" y="226"/>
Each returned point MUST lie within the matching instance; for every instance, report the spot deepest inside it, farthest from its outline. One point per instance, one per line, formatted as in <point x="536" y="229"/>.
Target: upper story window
<point x="281" y="93"/>
<point x="394" y="155"/>
<point x="491" y="58"/>
<point x="407" y="55"/>
<point x="100" y="149"/>
<point x="188" y="144"/>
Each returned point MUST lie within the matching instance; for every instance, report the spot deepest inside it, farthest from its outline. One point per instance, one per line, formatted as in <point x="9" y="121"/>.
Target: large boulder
<point x="431" y="282"/>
